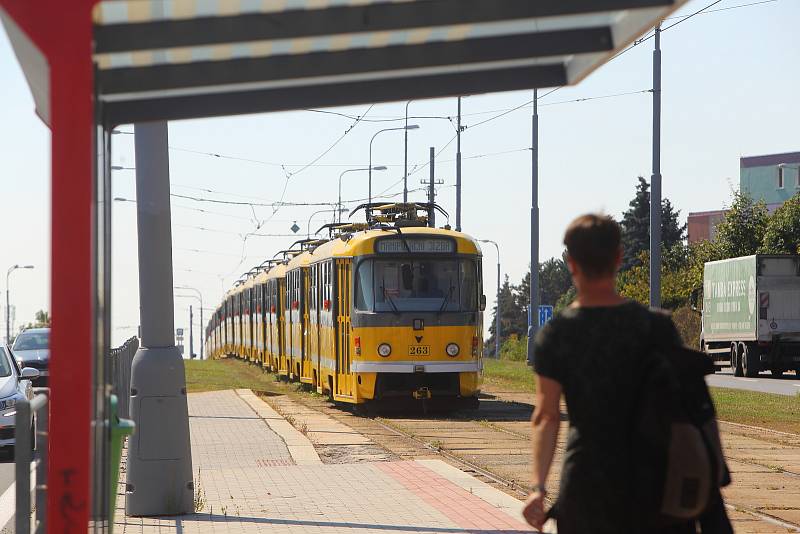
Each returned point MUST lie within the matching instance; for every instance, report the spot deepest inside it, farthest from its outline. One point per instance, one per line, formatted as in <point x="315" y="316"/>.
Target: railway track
<point x="497" y="451"/>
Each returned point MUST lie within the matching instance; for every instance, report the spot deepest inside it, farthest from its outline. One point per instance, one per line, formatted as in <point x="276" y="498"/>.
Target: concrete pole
<point x="159" y="455"/>
<point x="655" y="181"/>
<point x="533" y="308"/>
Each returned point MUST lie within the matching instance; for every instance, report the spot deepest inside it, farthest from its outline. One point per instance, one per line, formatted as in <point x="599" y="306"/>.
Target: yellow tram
<point x="389" y="312"/>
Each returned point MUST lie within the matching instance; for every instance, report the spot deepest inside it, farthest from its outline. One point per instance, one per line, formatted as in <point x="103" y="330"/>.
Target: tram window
<point x="432" y="285"/>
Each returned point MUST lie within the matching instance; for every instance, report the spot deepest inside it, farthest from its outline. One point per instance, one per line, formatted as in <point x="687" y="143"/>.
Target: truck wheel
<point x="736" y="361"/>
<point x="749" y="358"/>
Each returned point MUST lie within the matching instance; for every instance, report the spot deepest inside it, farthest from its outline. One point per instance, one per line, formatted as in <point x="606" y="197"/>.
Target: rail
<point x="26" y="444"/>
<point x="121" y="359"/>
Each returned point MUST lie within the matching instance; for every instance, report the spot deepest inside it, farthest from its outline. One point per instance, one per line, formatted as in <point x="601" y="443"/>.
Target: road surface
<point x="6" y="499"/>
<point x="789" y="384"/>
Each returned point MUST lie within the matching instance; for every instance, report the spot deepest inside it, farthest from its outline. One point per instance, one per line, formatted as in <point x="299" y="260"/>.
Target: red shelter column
<point x="63" y="32"/>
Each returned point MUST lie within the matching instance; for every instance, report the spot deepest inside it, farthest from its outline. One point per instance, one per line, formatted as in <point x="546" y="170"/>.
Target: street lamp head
<point x="121" y="199"/>
<point x="412" y="127"/>
<point x="379" y="168"/>
<point x="27" y="266"/>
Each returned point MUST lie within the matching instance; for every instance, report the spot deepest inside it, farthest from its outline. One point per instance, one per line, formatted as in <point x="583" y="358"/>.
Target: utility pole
<point x="191" y="334"/>
<point x="405" y="159"/>
<point x="533" y="307"/>
<point x="431" y="182"/>
<point x="431" y="192"/>
<point x="655" y="181"/>
<point x="458" y="169"/>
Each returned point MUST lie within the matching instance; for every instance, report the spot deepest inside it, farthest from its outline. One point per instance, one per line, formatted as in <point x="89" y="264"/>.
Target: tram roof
<point x="178" y="59"/>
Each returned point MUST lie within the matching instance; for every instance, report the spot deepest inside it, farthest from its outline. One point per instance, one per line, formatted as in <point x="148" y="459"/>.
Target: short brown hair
<point x="593" y="241"/>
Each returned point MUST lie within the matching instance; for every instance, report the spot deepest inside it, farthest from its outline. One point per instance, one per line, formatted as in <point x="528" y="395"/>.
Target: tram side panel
<point x="311" y="363"/>
<point x="327" y="326"/>
<point x="306" y="367"/>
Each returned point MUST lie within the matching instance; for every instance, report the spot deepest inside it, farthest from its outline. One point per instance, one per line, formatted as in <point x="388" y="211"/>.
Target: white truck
<point x="751" y="313"/>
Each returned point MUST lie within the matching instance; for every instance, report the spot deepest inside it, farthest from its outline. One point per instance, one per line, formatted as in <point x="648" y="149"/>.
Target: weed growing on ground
<point x="199" y="494"/>
<point x="303" y="429"/>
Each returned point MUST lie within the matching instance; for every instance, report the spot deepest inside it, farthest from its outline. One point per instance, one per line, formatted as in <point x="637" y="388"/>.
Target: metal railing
<point x="35" y="410"/>
<point x="121" y="359"/>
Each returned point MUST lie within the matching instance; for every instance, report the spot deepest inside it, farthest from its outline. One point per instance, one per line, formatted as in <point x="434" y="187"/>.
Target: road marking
<point x="8" y="500"/>
<point x="749" y="379"/>
<point x="796" y="385"/>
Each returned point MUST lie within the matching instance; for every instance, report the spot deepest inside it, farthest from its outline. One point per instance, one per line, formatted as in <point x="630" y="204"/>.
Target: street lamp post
<point x="339" y="204"/>
<point x="497" y="304"/>
<point x="308" y="225"/>
<point x="8" y="298"/>
<point x="202" y="325"/>
<point x="407" y="127"/>
<point x="405" y="158"/>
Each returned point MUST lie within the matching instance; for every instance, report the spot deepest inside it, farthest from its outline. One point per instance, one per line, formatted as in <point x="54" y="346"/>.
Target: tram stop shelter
<point x="92" y="65"/>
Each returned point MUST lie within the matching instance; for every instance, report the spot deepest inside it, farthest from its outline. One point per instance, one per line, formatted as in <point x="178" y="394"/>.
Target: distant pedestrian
<point x="590" y="353"/>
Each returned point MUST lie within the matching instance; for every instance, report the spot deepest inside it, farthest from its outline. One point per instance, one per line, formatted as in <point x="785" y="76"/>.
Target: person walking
<point x="589" y="353"/>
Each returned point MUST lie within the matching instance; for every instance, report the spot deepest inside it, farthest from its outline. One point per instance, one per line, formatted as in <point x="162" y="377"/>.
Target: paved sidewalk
<point x="257" y="473"/>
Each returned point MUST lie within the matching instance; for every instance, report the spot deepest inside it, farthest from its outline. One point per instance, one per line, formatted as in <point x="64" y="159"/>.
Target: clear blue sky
<point x="730" y="87"/>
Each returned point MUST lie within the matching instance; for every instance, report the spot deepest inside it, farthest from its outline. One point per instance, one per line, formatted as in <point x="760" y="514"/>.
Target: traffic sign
<point x="179" y="332"/>
<point x="545" y="314"/>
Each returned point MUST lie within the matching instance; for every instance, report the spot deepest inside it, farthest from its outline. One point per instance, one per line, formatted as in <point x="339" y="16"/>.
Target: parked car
<point x="15" y="385"/>
<point x="32" y="349"/>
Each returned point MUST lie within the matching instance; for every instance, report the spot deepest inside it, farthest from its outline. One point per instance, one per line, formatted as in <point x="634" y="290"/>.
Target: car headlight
<point x="452" y="349"/>
<point x="384" y="349"/>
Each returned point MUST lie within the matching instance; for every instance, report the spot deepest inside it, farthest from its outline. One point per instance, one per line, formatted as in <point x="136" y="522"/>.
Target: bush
<point x="514" y="348"/>
<point x="687" y="321"/>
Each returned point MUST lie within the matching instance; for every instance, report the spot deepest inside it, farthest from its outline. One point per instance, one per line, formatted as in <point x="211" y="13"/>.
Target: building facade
<point x="773" y="178"/>
<point x="702" y="225"/>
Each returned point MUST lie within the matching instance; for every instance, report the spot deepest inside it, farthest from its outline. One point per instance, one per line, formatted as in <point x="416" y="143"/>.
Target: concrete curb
<point x="300" y="447"/>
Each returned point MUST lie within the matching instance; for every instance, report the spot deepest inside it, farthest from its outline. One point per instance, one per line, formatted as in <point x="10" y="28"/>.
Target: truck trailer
<point x="751" y="313"/>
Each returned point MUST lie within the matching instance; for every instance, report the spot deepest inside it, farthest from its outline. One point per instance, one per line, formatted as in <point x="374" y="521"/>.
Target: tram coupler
<point x="422" y="393"/>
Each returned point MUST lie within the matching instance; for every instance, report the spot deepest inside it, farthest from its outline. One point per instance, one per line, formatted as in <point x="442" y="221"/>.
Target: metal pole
<point x="458" y="169"/>
<point x="497" y="315"/>
<point x="533" y="307"/>
<point x="655" y="181"/>
<point x="159" y="483"/>
<point x="431" y="193"/>
<point x="405" y="159"/>
<point x="8" y="312"/>
<point x="191" y="334"/>
<point x="202" y="328"/>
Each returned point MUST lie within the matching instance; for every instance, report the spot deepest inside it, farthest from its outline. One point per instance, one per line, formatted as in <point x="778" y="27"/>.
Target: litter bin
<point x="119" y="429"/>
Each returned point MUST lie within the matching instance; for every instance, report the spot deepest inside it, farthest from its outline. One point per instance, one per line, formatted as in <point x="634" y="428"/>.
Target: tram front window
<point x="412" y="285"/>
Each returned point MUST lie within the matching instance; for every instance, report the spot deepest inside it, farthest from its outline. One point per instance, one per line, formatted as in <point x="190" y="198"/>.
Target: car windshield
<point x="427" y="285"/>
<point x="32" y="341"/>
<point x="5" y="363"/>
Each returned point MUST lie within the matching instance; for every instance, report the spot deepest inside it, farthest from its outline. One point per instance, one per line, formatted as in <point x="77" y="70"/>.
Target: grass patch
<point x="509" y="375"/>
<point x="777" y="412"/>
<point x="212" y="375"/>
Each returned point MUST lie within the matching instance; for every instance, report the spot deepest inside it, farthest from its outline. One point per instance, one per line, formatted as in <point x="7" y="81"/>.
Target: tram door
<point x="344" y="382"/>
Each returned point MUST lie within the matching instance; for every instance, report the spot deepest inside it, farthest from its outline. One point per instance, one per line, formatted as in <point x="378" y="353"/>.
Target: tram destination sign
<point x="396" y="245"/>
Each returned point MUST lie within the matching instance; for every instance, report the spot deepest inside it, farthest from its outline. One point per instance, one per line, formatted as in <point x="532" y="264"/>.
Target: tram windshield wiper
<point x="388" y="297"/>
<point x="446" y="299"/>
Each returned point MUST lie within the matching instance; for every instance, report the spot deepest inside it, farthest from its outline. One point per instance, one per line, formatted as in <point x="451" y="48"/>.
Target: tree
<point x="42" y="318"/>
<point x="554" y="281"/>
<point x="636" y="225"/>
<point x="509" y="315"/>
<point x="741" y="232"/>
<point x="782" y="231"/>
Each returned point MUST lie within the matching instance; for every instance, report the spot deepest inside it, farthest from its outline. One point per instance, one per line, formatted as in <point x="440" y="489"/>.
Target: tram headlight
<point x="452" y="349"/>
<point x="384" y="349"/>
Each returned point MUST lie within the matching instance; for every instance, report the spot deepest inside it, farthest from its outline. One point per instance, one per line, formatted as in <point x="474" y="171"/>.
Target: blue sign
<point x="545" y="314"/>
